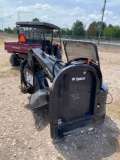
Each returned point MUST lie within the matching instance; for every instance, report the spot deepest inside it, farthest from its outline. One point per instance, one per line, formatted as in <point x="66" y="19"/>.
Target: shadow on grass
<point x="97" y="144"/>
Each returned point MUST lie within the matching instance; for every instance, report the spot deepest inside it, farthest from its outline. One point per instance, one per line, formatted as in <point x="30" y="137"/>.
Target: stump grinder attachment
<point x="77" y="96"/>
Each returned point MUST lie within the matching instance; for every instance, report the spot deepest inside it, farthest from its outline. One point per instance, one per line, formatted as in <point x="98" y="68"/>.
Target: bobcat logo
<point x="78" y="79"/>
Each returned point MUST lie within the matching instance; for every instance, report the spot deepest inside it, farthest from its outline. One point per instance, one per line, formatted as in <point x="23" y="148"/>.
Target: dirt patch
<point x="6" y="70"/>
<point x="25" y="133"/>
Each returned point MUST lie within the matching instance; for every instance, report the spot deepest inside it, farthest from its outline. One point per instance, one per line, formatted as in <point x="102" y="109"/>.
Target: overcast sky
<point x="62" y="13"/>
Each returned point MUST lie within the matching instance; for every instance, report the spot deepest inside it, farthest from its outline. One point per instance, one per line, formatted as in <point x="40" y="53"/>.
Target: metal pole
<point x="102" y="20"/>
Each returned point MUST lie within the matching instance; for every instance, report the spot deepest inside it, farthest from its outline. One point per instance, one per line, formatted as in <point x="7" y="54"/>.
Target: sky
<point x="62" y="13"/>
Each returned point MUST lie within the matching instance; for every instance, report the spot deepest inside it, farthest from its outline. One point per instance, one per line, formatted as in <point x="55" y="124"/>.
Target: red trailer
<point x="34" y="35"/>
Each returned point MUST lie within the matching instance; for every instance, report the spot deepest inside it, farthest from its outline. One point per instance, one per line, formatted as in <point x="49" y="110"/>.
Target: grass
<point x="59" y="157"/>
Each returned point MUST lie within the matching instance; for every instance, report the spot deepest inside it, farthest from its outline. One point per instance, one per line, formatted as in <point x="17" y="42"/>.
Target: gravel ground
<point x="25" y="133"/>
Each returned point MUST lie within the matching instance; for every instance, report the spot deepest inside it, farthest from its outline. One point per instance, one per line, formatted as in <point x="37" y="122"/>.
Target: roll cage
<point x="38" y="32"/>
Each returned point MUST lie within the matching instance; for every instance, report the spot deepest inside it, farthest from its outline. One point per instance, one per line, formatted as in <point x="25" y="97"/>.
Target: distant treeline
<point x="78" y="29"/>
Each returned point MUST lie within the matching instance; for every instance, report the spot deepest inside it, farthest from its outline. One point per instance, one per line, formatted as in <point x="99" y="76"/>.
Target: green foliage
<point x="91" y="31"/>
<point x="9" y="30"/>
<point x="63" y="31"/>
<point x="59" y="157"/>
<point x="94" y="27"/>
<point x="112" y="31"/>
<point x="78" y="29"/>
<point x="117" y="32"/>
<point x="98" y="25"/>
<point x="15" y="30"/>
<point x="109" y="32"/>
<point x="110" y="25"/>
<point x="69" y="31"/>
<point x="66" y="31"/>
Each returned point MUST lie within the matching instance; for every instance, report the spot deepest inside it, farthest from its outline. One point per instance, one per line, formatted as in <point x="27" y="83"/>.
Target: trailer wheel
<point x="14" y="60"/>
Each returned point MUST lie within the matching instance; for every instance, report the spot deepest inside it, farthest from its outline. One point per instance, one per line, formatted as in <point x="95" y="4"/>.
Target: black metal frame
<point x="38" y="24"/>
<point x="85" y="42"/>
<point x="42" y="25"/>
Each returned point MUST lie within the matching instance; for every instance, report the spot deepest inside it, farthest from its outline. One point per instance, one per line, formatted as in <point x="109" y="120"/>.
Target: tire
<point x="24" y="86"/>
<point x="14" y="60"/>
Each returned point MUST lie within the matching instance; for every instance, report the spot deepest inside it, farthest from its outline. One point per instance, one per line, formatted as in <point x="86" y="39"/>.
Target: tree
<point x="8" y="30"/>
<point x="94" y="28"/>
<point x="63" y="31"/>
<point x="78" y="29"/>
<point x="117" y="32"/>
<point x="98" y="25"/>
<point x="15" y="30"/>
<point x="35" y="20"/>
<point x="66" y="31"/>
<point x="110" y="25"/>
<point x="91" y="31"/>
<point x="110" y="32"/>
